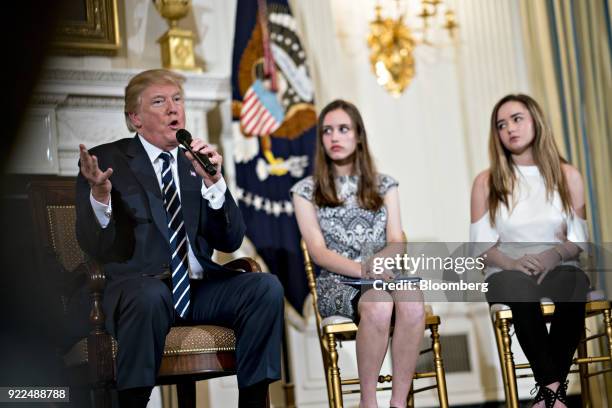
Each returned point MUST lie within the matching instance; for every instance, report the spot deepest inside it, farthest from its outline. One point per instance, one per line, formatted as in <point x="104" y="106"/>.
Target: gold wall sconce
<point x="392" y="42"/>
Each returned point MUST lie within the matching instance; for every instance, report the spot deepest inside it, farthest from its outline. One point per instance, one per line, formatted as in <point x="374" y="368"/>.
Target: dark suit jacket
<point x="135" y="243"/>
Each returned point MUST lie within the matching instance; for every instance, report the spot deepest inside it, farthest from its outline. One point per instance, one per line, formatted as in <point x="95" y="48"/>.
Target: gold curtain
<point x="569" y="57"/>
<point x="568" y="45"/>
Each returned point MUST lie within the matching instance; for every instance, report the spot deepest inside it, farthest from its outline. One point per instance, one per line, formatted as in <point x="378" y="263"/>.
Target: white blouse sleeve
<point x="482" y="235"/>
<point x="577" y="230"/>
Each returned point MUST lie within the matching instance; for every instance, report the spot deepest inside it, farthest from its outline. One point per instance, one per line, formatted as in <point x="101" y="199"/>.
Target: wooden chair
<point x="191" y="353"/>
<point x="501" y="317"/>
<point x="338" y="328"/>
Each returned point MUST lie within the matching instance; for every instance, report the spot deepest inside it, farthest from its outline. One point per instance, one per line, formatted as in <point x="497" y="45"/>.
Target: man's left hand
<point x="198" y="145"/>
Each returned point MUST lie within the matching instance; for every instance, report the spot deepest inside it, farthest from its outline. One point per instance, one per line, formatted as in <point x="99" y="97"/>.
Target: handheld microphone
<point x="184" y="138"/>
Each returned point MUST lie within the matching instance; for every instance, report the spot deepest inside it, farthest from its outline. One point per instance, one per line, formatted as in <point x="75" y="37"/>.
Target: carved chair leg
<point x="499" y="340"/>
<point x="410" y="402"/>
<point x="186" y="394"/>
<point x="608" y="328"/>
<point x="439" y="366"/>
<point x="508" y="364"/>
<point x="584" y="373"/>
<point x="101" y="368"/>
<point x="326" y="369"/>
<point x="334" y="372"/>
<point x="330" y="388"/>
<point x="99" y="343"/>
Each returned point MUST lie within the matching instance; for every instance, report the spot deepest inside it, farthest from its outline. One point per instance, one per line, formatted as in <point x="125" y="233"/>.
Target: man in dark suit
<point x="153" y="217"/>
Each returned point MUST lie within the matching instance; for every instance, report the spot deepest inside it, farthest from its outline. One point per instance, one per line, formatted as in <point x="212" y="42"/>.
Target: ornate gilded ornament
<point x="176" y="43"/>
<point x="392" y="44"/>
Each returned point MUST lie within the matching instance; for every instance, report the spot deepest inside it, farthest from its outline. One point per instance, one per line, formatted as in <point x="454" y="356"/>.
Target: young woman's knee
<point x="379" y="313"/>
<point x="412" y="312"/>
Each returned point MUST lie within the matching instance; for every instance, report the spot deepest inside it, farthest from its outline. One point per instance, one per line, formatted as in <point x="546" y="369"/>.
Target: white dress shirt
<point x="215" y="195"/>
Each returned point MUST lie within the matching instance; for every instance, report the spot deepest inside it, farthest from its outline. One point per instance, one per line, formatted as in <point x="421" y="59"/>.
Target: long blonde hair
<point x="363" y="165"/>
<point x="546" y="156"/>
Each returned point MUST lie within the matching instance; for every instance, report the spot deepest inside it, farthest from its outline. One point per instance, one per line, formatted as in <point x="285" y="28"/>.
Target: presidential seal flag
<point x="274" y="135"/>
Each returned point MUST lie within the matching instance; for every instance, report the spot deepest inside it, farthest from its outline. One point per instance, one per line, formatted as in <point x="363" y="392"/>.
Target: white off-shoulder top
<point x="532" y="219"/>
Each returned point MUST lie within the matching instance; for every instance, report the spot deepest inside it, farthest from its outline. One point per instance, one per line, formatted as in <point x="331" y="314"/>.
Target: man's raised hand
<point x="99" y="180"/>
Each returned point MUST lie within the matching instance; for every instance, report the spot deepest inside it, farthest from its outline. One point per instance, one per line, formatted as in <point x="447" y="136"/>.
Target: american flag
<point x="261" y="114"/>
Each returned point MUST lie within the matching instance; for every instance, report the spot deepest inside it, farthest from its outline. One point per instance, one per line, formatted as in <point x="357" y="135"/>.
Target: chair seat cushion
<point x="181" y="340"/>
<point x="592" y="296"/>
<point x="335" y="320"/>
<point x="199" y="339"/>
<point x="595" y="295"/>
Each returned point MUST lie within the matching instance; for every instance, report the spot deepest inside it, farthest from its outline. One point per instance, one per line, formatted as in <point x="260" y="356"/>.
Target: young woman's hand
<point x="386" y="275"/>
<point x="372" y="272"/>
<point x="528" y="264"/>
<point x="549" y="259"/>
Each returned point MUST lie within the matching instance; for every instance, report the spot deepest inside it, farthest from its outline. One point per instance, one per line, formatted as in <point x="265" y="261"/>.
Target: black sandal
<point x="545" y="394"/>
<point x="561" y="394"/>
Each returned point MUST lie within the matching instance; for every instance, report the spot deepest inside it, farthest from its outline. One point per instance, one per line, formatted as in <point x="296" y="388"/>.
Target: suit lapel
<point x="145" y="174"/>
<point x="191" y="196"/>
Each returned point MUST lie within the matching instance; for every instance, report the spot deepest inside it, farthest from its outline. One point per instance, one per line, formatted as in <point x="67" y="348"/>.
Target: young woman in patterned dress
<point x="347" y="211"/>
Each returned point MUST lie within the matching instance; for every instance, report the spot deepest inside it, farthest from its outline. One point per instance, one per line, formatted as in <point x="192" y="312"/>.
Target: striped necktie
<point x="178" y="238"/>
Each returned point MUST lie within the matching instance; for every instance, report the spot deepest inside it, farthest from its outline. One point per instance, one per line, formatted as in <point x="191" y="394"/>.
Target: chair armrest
<point x="243" y="264"/>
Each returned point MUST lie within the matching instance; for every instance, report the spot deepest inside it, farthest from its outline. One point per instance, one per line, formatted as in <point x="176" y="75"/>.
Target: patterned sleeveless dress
<point x="350" y="231"/>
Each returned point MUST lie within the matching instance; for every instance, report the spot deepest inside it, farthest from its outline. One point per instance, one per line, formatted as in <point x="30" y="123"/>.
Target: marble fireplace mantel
<point x="72" y="106"/>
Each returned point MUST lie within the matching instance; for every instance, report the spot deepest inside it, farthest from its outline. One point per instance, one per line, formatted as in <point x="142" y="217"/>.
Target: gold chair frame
<point x="501" y="317"/>
<point x="330" y="334"/>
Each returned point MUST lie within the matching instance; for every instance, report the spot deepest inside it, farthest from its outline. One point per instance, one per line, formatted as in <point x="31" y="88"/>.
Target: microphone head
<point x="183" y="136"/>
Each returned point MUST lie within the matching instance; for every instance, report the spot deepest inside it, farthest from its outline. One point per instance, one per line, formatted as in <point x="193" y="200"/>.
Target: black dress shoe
<point x="134" y="397"/>
<point x="255" y="396"/>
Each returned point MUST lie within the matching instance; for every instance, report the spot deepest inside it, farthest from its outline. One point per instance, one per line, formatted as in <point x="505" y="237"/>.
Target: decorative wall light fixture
<point x="392" y="42"/>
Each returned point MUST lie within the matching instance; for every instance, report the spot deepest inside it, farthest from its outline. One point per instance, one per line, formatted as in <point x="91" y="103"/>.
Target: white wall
<point x="433" y="138"/>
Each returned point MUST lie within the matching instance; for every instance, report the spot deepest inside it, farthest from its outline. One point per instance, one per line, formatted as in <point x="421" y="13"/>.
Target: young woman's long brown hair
<point x="546" y="156"/>
<point x="363" y="165"/>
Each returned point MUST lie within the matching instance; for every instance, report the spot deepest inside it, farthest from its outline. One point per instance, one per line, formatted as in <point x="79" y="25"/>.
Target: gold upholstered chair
<point x="191" y="353"/>
<point x="334" y="329"/>
<point x="597" y="307"/>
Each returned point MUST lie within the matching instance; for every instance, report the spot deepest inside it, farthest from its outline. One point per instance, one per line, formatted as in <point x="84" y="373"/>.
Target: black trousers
<point x="549" y="353"/>
<point x="249" y="303"/>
